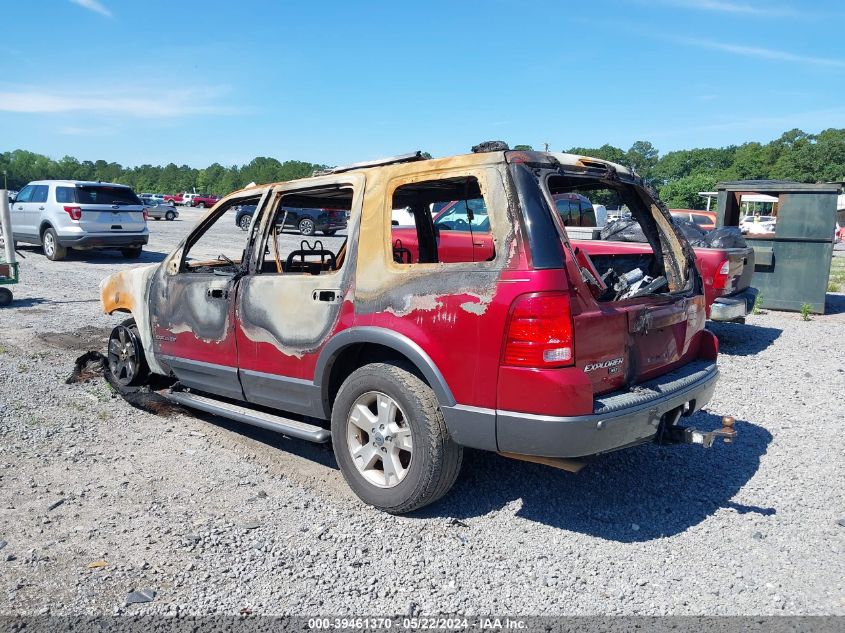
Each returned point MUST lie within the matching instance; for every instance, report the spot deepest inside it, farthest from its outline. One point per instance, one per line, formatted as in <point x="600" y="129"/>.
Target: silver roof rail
<point x="402" y="158"/>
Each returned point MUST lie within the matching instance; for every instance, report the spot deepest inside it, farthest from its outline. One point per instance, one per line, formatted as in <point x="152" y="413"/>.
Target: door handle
<point x="40" y="208"/>
<point x="217" y="293"/>
<point x="329" y="296"/>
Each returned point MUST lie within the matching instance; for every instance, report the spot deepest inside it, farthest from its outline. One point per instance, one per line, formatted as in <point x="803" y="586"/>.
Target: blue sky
<point x="197" y="82"/>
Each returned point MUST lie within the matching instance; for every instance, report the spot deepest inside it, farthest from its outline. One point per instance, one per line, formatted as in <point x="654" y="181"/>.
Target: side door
<point x="298" y="294"/>
<point x="192" y="304"/>
<point x="21" y="214"/>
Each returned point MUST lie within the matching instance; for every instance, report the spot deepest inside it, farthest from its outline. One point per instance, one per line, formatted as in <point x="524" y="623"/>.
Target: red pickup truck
<point x="203" y="200"/>
<point x="176" y="198"/>
<point x="464" y="235"/>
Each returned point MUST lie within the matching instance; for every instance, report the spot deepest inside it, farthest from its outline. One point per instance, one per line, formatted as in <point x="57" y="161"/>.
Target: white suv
<point x="62" y="214"/>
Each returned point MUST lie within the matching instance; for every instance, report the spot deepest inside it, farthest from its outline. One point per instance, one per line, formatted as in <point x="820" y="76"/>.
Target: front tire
<point x="126" y="361"/>
<point x="52" y="249"/>
<point x="390" y="439"/>
<point x="244" y="222"/>
<point x="5" y="297"/>
<point x="132" y="253"/>
<point x="307" y="227"/>
<point x="170" y="216"/>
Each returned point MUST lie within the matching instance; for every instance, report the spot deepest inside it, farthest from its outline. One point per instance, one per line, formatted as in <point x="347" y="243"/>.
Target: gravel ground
<point x="100" y="499"/>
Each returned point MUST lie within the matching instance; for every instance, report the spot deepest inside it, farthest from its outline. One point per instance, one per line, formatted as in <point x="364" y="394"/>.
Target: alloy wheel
<point x="123" y="357"/>
<point x="379" y="439"/>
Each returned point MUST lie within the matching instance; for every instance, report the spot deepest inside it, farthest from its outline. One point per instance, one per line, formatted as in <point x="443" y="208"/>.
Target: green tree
<point x="683" y="193"/>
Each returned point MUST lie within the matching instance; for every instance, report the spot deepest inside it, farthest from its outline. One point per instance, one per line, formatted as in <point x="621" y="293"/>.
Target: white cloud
<point x="118" y="102"/>
<point x="738" y="8"/>
<point x="93" y="5"/>
<point x="765" y="53"/>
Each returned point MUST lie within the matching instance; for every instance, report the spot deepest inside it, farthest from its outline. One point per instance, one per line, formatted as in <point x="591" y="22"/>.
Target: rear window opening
<point x="582" y="202"/>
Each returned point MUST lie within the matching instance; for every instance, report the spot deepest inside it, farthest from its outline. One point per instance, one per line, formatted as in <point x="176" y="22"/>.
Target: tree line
<point x="678" y="175"/>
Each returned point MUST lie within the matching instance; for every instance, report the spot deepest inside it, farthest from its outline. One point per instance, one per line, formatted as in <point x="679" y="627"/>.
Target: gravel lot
<point x="216" y="517"/>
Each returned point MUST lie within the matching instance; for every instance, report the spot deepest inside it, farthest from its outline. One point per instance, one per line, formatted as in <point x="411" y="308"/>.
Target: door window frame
<point x="482" y="175"/>
<point x="355" y="181"/>
<point x="176" y="263"/>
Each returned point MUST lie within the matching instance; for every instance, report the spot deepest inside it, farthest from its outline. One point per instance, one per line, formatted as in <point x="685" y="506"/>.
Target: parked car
<point x="188" y="199"/>
<point x="705" y="220"/>
<point x="530" y="352"/>
<point x="203" y="200"/>
<point x="306" y="221"/>
<point x="174" y="198"/>
<point x="62" y="214"/>
<point x="758" y="224"/>
<point x="158" y="210"/>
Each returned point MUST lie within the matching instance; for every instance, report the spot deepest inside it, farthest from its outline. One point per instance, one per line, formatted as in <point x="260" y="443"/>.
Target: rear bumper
<point x="619" y="419"/>
<point x="105" y="240"/>
<point x="735" y="307"/>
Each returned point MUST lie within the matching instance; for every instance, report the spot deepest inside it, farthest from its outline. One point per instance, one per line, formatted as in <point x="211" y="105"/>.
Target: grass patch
<point x="805" y="311"/>
<point x="837" y="275"/>
<point x="758" y="304"/>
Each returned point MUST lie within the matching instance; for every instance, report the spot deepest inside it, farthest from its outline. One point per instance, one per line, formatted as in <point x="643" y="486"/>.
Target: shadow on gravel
<point x="96" y="256"/>
<point x="109" y="257"/>
<point x="737" y="339"/>
<point x="321" y="454"/>
<point x="36" y="301"/>
<point x="639" y="494"/>
<point x="834" y="303"/>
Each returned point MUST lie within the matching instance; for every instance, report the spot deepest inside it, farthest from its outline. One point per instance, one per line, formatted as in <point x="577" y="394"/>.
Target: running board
<point x="292" y="428"/>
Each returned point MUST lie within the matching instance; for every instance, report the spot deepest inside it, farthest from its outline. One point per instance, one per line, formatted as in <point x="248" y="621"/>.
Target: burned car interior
<point x="310" y="256"/>
<point x="616" y="277"/>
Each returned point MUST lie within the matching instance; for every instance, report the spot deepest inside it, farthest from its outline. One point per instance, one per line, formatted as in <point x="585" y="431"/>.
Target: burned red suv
<point x="528" y="349"/>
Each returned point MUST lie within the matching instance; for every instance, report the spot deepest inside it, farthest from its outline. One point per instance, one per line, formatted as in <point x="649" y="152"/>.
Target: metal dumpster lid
<point x="779" y="186"/>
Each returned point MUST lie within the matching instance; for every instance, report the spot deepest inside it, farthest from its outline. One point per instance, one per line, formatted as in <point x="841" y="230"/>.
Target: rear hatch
<point x="109" y="209"/>
<point x="635" y="314"/>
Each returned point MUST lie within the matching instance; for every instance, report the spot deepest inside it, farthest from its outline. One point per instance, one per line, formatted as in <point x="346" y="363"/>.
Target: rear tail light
<point x="75" y="213"/>
<point x="539" y="332"/>
<point x="722" y="280"/>
<point x="146" y="215"/>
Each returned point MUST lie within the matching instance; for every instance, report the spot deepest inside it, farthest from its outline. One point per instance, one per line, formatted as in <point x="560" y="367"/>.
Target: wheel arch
<point x="45" y="224"/>
<point x="355" y="347"/>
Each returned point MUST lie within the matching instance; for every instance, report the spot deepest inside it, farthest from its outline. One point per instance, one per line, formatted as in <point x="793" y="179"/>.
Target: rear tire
<point x="52" y="249"/>
<point x="244" y="222"/>
<point x="125" y="355"/>
<point x="307" y="227"/>
<point x="407" y="428"/>
<point x="5" y="297"/>
<point x="132" y="253"/>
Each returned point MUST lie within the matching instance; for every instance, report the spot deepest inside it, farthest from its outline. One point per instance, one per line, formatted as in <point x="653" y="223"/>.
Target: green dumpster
<point x="790" y="226"/>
